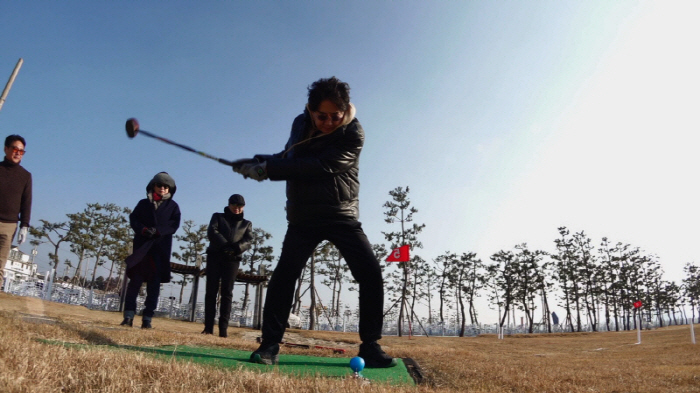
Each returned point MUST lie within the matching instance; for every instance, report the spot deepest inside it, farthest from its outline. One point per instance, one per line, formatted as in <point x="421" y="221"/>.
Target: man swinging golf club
<point x="320" y="164"/>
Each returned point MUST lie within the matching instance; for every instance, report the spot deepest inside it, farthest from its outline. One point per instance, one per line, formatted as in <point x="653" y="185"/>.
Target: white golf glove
<point x="254" y="171"/>
<point x="22" y="236"/>
<point x="236" y="165"/>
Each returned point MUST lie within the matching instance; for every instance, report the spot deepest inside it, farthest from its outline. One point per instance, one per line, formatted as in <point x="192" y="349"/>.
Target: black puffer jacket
<point x="228" y="229"/>
<point x="322" y="173"/>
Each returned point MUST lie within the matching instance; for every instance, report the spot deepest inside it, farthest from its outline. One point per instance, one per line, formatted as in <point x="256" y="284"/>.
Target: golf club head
<point x="132" y="127"/>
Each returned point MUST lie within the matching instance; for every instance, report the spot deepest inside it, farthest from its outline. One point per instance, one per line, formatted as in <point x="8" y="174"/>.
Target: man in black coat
<point x="154" y="220"/>
<point x="229" y="236"/>
<point x="320" y="164"/>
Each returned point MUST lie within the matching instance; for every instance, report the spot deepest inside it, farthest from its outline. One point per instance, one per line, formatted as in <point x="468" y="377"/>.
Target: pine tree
<point x="55" y="233"/>
<point x="258" y="259"/>
<point x="444" y="268"/>
<point x="691" y="288"/>
<point x="399" y="210"/>
<point x="192" y="247"/>
<point x="502" y="276"/>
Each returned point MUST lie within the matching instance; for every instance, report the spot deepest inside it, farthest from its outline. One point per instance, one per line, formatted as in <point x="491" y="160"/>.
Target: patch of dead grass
<point x="666" y="361"/>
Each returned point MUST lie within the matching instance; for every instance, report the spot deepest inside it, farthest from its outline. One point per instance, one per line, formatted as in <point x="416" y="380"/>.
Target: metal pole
<point x="193" y="304"/>
<point x="8" y="86"/>
<point x="122" y="294"/>
<point x="48" y="282"/>
<point x="258" y="307"/>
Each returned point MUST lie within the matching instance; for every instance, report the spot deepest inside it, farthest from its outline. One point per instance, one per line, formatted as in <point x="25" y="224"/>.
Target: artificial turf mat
<point x="297" y="365"/>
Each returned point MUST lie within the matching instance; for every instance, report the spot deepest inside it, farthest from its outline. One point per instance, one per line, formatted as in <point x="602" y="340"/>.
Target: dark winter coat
<point x="322" y="173"/>
<point x="228" y="230"/>
<point x="166" y="220"/>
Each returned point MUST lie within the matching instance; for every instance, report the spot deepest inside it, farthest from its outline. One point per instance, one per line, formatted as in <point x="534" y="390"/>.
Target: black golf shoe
<point x="374" y="357"/>
<point x="267" y="353"/>
<point x="146" y="324"/>
<point x="127" y="322"/>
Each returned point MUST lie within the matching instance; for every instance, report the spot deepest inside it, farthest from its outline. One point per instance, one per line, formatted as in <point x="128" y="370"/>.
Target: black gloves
<point x="232" y="251"/>
<point x="150" y="233"/>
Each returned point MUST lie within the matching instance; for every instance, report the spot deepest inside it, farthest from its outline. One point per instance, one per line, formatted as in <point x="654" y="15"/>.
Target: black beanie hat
<point x="236" y="199"/>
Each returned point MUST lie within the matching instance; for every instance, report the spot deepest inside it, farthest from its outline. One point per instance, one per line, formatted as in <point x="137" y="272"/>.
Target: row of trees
<point x="582" y="278"/>
<point x="100" y="232"/>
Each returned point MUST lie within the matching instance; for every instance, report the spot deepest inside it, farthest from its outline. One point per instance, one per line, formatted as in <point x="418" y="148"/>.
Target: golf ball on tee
<point x="357" y="364"/>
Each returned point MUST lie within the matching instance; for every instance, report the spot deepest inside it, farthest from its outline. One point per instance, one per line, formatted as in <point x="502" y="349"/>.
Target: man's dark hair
<point x="331" y="89"/>
<point x="12" y="138"/>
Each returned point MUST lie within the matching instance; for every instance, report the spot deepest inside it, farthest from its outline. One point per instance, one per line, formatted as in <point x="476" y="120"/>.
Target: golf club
<point x="132" y="129"/>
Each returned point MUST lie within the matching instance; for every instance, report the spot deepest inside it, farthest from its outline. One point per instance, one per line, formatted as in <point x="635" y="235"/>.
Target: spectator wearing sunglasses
<point x="320" y="164"/>
<point x="229" y="236"/>
<point x="15" y="198"/>
<point x="154" y="220"/>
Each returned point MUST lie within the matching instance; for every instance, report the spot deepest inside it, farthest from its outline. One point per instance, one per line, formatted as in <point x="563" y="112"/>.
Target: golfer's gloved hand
<point x="256" y="171"/>
<point x="22" y="236"/>
<point x="237" y="164"/>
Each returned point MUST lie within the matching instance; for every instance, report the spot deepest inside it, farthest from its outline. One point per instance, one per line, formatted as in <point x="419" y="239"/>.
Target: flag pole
<point x="638" y="319"/>
<point x="8" y="86"/>
<point x="692" y="332"/>
<point x="639" y="326"/>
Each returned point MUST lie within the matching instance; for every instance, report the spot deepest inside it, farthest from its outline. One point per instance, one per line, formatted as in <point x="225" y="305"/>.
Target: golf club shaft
<point x="168" y="141"/>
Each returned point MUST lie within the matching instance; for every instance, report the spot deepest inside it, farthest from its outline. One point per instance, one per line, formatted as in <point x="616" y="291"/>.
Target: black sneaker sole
<point x="256" y="358"/>
<point x="374" y="364"/>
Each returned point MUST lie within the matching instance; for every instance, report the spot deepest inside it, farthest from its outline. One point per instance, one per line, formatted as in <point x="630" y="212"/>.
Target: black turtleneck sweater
<point x="15" y="193"/>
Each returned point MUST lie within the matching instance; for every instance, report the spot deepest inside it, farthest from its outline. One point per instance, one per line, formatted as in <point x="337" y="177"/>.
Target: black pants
<point x="299" y="243"/>
<point x="147" y="272"/>
<point x="219" y="272"/>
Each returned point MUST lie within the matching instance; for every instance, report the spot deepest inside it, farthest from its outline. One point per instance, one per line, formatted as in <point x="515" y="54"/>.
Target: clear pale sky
<point x="505" y="119"/>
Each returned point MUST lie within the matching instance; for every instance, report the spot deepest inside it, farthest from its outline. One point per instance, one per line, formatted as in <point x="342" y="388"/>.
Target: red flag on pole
<point x="399" y="254"/>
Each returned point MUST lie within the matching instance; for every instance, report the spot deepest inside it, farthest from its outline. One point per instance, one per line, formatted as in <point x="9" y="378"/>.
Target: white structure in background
<point x="18" y="267"/>
<point x="294" y="321"/>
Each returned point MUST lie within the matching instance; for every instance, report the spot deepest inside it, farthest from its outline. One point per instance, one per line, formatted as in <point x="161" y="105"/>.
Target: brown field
<point x="666" y="361"/>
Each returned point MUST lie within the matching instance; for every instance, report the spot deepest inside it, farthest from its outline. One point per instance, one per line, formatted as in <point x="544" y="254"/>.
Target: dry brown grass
<point x="666" y="361"/>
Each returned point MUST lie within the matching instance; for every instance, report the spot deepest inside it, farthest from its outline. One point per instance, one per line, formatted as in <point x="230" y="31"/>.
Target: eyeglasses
<point x="335" y="117"/>
<point x="20" y="151"/>
<point x="161" y="185"/>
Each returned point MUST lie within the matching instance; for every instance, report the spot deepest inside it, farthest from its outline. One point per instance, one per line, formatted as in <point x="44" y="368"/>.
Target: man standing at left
<point x="15" y="198"/>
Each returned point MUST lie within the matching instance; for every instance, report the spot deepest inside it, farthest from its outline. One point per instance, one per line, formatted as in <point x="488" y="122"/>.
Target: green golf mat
<point x="297" y="365"/>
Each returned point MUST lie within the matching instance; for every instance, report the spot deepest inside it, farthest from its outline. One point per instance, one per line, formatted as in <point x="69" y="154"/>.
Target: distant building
<point x="18" y="267"/>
